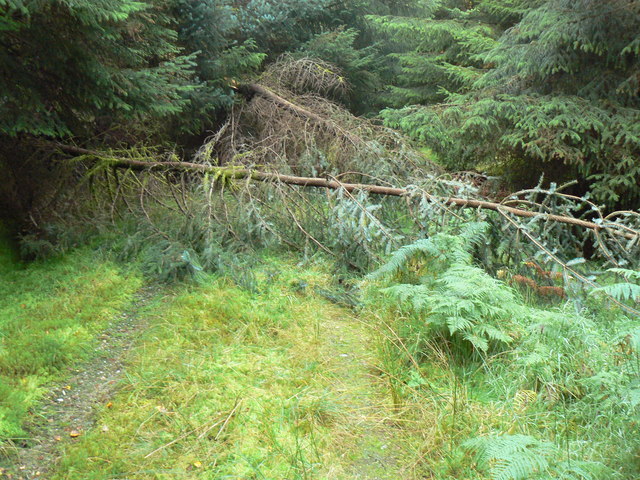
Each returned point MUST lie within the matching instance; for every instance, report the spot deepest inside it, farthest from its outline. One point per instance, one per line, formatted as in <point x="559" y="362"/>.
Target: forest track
<point x="70" y="407"/>
<point x="370" y="441"/>
<point x="315" y="403"/>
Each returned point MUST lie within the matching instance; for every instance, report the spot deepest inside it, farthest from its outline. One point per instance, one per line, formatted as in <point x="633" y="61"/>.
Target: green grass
<point x="8" y="254"/>
<point x="232" y="384"/>
<point x="221" y="386"/>
<point x="567" y="384"/>
<point x="50" y="313"/>
<point x="275" y="382"/>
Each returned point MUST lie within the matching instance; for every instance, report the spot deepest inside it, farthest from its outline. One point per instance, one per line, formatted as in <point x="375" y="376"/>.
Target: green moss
<point x="50" y="314"/>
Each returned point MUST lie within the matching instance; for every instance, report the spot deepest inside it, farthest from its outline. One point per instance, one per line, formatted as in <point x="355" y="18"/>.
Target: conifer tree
<point x="224" y="54"/>
<point x="361" y="67"/>
<point x="558" y="93"/>
<point x="66" y="65"/>
<point x="279" y="26"/>
<point x="433" y="46"/>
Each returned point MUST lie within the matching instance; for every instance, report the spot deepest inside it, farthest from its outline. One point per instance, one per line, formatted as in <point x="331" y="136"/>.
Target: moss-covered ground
<point x="50" y="316"/>
<point x="223" y="382"/>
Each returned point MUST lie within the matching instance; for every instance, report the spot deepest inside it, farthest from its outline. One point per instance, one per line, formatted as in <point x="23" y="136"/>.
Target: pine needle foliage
<point x="361" y="67"/>
<point x="65" y="63"/>
<point x="435" y="47"/>
<point x="557" y="92"/>
<point x="279" y="26"/>
<point x="223" y="55"/>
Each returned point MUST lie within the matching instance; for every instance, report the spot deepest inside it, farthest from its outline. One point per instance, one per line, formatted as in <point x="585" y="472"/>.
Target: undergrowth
<point x="8" y="251"/>
<point x="483" y="381"/>
<point x="531" y="390"/>
<point x="50" y="313"/>
<point x="498" y="382"/>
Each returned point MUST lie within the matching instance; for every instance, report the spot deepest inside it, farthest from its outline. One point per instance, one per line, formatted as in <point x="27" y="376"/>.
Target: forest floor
<point x="270" y="376"/>
<point x="214" y="381"/>
<point x="71" y="406"/>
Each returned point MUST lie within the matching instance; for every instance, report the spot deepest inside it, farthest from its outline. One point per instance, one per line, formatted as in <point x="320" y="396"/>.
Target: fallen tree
<point x="187" y="188"/>
<point x="231" y="173"/>
<point x="288" y="124"/>
<point x="380" y="192"/>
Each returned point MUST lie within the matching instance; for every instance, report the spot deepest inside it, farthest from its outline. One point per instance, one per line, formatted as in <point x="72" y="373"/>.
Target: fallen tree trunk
<point x="238" y="173"/>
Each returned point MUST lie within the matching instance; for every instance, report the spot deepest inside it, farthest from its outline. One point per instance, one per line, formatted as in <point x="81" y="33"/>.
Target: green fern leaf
<point x="621" y="291"/>
<point x="478" y="342"/>
<point x="511" y="457"/>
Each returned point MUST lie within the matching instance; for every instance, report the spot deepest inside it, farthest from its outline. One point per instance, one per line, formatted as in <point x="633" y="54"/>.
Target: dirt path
<point x="69" y="410"/>
<point x="328" y="355"/>
<point x="370" y="443"/>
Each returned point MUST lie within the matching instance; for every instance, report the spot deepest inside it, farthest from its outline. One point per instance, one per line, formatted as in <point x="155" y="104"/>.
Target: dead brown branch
<point x="251" y="89"/>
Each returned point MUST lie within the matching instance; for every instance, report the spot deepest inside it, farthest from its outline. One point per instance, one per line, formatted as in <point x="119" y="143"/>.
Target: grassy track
<point x="50" y="314"/>
<point x="229" y="384"/>
<point x="276" y="382"/>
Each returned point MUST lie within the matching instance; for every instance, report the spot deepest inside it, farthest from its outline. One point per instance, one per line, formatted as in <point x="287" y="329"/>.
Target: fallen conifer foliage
<point x="231" y="173"/>
<point x="290" y="166"/>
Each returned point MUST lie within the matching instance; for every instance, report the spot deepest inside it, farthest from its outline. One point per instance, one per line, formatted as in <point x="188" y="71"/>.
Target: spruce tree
<point x="67" y="65"/>
<point x="224" y="54"/>
<point x="558" y="93"/>
<point x="433" y="47"/>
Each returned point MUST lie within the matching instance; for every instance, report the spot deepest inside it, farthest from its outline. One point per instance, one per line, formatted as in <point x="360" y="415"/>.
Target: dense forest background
<point x="508" y="87"/>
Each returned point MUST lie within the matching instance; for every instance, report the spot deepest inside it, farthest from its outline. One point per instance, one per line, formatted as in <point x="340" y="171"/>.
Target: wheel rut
<point x="70" y="407"/>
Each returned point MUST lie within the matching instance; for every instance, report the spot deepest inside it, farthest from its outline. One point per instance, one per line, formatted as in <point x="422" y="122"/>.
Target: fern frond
<point x="621" y="291"/>
<point x="475" y="233"/>
<point x="511" y="457"/>
<point x="478" y="342"/>
<point x="424" y="248"/>
<point x="457" y="324"/>
<point x="626" y="273"/>
<point x="417" y="297"/>
<point x="437" y="252"/>
<point x="464" y="302"/>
